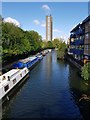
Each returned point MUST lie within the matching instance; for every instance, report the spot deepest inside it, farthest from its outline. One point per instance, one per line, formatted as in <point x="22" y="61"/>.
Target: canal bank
<point x="52" y="91"/>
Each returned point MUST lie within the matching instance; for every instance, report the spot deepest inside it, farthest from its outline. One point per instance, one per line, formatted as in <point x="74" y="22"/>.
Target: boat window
<point x="21" y="75"/>
<point x="25" y="71"/>
<point x="4" y="77"/>
<point x="8" y="78"/>
<point x="14" y="81"/>
<point x="6" y="88"/>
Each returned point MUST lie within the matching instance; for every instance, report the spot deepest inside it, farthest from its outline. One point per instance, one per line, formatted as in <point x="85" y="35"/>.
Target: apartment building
<point x="79" y="42"/>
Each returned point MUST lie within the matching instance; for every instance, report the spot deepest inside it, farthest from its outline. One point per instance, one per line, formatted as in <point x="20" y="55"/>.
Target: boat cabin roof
<point x="27" y="59"/>
<point x="11" y="73"/>
<point x="24" y="60"/>
<point x="4" y="77"/>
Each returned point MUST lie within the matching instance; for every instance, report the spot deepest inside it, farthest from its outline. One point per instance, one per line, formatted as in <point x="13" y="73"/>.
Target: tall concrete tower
<point x="49" y="28"/>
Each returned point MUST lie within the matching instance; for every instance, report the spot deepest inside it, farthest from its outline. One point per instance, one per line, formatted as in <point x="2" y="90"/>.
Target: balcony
<point x="80" y="32"/>
<point x="78" y="51"/>
<point x="79" y="42"/>
<point x="72" y="35"/>
<point x="72" y="43"/>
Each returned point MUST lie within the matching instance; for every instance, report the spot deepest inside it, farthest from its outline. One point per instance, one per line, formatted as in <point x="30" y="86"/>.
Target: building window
<point x="89" y="23"/>
<point x="77" y="38"/>
<point x="14" y="81"/>
<point x="80" y="37"/>
<point x="82" y="46"/>
<point x="87" y="36"/>
<point x="86" y="47"/>
<point x="86" y="27"/>
<point x="6" y="88"/>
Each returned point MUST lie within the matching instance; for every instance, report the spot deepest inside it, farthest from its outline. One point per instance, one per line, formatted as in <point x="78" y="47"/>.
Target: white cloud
<point x="46" y="7"/>
<point x="56" y="30"/>
<point x="11" y="20"/>
<point x="43" y="24"/>
<point x="36" y="22"/>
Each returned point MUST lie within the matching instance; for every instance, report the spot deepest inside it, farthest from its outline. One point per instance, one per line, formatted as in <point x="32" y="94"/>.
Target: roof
<point x="86" y="20"/>
<point x="27" y="59"/>
<point x="83" y="22"/>
<point x="11" y="72"/>
<point x="75" y="28"/>
<point x="4" y="77"/>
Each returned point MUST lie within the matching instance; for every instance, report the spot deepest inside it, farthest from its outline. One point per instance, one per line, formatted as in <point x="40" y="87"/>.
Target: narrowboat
<point x="43" y="53"/>
<point x="49" y="50"/>
<point x="27" y="62"/>
<point x="9" y="80"/>
<point x="39" y="55"/>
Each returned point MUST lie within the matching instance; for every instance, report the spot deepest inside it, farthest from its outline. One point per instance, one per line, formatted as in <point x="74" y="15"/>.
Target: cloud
<point x="46" y="7"/>
<point x="56" y="30"/>
<point x="11" y="20"/>
<point x="43" y="24"/>
<point x="36" y="22"/>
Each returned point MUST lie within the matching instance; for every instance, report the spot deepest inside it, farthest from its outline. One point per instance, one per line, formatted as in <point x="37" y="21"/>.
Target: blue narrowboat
<point x="28" y="62"/>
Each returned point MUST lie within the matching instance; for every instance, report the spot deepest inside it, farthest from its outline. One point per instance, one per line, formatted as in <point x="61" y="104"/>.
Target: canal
<point x="53" y="90"/>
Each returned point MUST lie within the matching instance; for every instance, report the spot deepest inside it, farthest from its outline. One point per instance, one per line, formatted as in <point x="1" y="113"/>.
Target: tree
<point x="86" y="71"/>
<point x="35" y="39"/>
<point x="17" y="42"/>
<point x="44" y="45"/>
<point x="56" y="43"/>
<point x="61" y="45"/>
<point x="49" y="44"/>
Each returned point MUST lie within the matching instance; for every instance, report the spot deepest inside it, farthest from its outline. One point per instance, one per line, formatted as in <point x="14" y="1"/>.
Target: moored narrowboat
<point x="11" y="79"/>
<point x="28" y="62"/>
<point x="40" y="57"/>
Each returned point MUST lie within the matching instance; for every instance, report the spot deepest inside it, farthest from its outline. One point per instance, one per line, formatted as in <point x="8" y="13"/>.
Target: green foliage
<point x="86" y="71"/>
<point x="56" y="42"/>
<point x="60" y="54"/>
<point x="49" y="44"/>
<point x="61" y="46"/>
<point x="44" y="44"/>
<point x="16" y="41"/>
<point x="35" y="40"/>
<point x="12" y="39"/>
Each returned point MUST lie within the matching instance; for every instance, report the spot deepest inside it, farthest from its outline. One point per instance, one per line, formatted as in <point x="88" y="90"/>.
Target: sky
<point x="32" y="16"/>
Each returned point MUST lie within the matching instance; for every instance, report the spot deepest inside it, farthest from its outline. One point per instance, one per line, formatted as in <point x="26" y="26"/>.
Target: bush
<point x="86" y="71"/>
<point x="61" y="50"/>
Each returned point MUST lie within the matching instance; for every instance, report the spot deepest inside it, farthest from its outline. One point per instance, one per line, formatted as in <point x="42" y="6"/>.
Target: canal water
<point x="53" y="90"/>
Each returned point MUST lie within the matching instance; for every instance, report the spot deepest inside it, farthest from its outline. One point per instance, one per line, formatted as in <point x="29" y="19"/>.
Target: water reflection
<point x="48" y="64"/>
